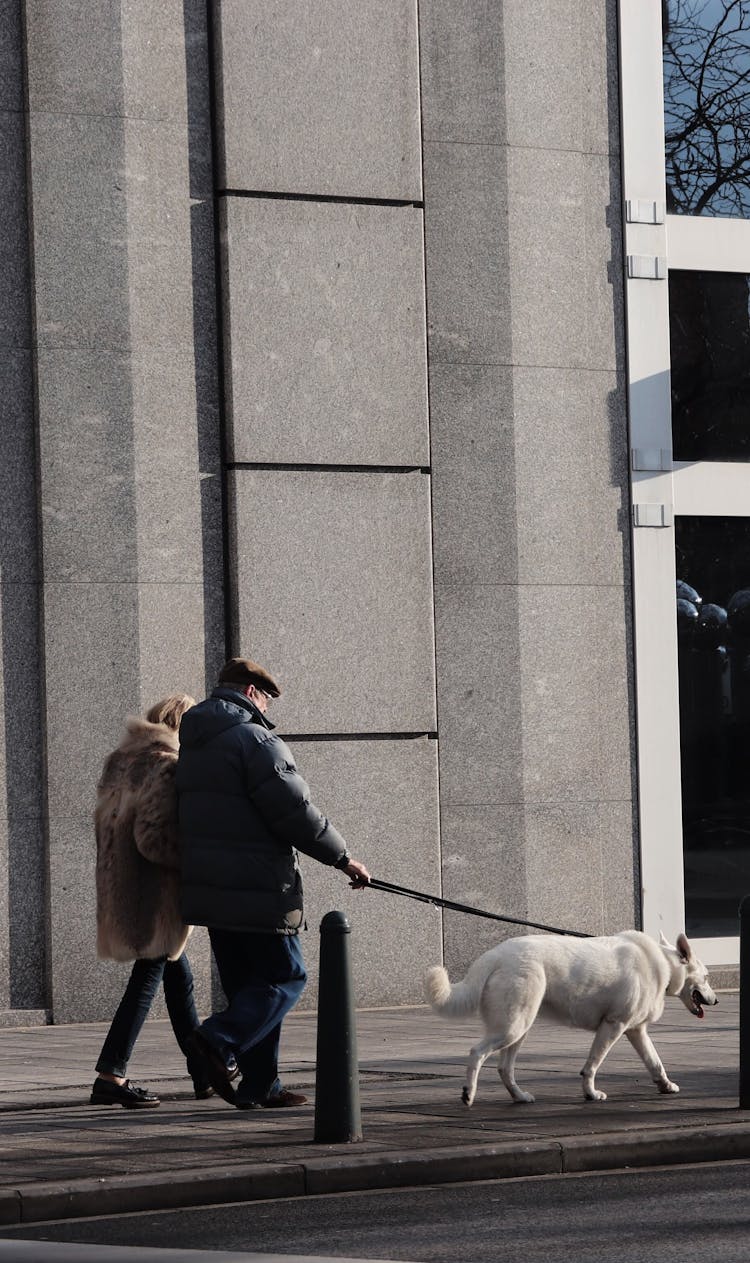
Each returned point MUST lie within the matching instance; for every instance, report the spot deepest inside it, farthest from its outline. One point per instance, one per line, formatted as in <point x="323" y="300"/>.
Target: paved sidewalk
<point x="61" y="1157"/>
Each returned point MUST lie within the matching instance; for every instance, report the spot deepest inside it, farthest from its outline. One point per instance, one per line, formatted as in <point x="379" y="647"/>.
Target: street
<point x="689" y="1214"/>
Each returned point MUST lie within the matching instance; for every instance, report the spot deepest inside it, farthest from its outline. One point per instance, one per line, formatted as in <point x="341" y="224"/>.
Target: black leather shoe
<point x="125" y="1094"/>
<point x="203" y="1094"/>
<point x="281" y="1100"/>
<point x="214" y="1071"/>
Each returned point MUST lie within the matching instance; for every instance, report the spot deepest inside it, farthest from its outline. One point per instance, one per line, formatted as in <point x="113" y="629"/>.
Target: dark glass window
<point x="709" y="330"/>
<point x="713" y="629"/>
<point x="707" y="106"/>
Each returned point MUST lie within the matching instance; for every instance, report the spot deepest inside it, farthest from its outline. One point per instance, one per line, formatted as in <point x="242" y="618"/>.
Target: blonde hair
<point x="170" y="710"/>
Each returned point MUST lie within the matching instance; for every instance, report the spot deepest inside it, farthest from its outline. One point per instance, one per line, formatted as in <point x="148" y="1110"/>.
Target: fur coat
<point x="137" y="858"/>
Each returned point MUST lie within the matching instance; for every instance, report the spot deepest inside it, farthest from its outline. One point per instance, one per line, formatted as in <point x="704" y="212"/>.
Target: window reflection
<point x="713" y="628"/>
<point x="707" y="106"/>
<point x="709" y="330"/>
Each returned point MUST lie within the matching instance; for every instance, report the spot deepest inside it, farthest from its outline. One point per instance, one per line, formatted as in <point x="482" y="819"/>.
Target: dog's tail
<point x="457" y="1000"/>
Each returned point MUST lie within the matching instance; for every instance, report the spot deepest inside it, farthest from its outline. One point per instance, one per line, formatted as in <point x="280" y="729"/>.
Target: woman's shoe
<point x="126" y="1094"/>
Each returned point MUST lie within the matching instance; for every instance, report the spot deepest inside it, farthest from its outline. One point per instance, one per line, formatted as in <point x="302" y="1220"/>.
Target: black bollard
<point x="745" y="1003"/>
<point x="337" y="1116"/>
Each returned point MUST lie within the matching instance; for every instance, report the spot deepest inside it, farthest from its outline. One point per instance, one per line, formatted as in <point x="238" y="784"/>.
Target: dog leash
<point x="419" y="895"/>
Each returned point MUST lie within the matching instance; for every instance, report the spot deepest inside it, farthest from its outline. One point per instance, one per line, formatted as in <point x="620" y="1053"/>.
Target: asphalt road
<point x="689" y="1214"/>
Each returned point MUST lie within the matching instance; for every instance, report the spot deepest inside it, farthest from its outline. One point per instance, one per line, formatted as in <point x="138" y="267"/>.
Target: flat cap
<point x="243" y="671"/>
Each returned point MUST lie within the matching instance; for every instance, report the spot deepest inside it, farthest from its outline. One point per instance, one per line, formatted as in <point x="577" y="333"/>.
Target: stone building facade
<point x="312" y="347"/>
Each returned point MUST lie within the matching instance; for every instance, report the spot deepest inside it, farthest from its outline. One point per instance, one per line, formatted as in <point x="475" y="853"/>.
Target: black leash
<point x="462" y="907"/>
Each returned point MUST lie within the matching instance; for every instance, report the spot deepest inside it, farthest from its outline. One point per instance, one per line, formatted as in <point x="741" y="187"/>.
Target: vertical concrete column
<point x="320" y="185"/>
<point x="473" y="457"/>
<point x="523" y="255"/>
<point x="129" y="475"/>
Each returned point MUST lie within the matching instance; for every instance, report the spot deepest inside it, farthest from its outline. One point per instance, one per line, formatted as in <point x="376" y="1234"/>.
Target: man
<point x="244" y="811"/>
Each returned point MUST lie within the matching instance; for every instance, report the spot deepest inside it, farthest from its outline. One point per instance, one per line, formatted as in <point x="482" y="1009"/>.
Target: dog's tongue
<point x="700" y="1012"/>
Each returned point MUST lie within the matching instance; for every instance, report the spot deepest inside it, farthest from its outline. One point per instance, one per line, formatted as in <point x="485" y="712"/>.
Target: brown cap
<point x="243" y="672"/>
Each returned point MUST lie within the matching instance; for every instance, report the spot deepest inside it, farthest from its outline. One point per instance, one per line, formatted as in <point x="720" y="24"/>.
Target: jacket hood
<point x="224" y="709"/>
<point x="140" y="735"/>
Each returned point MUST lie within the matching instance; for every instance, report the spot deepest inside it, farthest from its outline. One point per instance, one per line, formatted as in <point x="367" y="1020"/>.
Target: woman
<point x="137" y="891"/>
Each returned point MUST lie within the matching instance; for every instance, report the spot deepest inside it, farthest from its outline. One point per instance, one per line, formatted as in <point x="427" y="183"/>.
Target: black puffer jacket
<point x="243" y="809"/>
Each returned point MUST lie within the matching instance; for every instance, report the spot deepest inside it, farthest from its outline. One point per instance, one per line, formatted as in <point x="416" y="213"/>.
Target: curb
<point x="173" y="1190"/>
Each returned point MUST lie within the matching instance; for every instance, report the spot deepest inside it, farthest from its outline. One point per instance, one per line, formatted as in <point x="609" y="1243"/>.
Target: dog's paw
<point x="668" y="1087"/>
<point x="466" y="1097"/>
<point x="523" y="1098"/>
<point x="593" y="1094"/>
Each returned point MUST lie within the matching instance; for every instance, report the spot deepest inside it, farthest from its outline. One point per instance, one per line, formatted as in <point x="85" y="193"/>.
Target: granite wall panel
<point x="462" y="46"/>
<point x="565" y="259"/>
<point x="86" y="485"/>
<point x="18" y="553"/>
<point x="165" y="64"/>
<point x="77" y="182"/>
<point x="14" y="260"/>
<point x="466" y="245"/>
<point x="573" y="641"/>
<point x="479" y="697"/>
<point x="572" y="882"/>
<point x="319" y="99"/>
<point x="180" y="649"/>
<point x="383" y="797"/>
<point x="171" y="288"/>
<point x="74" y="57"/>
<point x="334" y="594"/>
<point x="472" y="434"/>
<point x="325" y="324"/>
<point x="572" y="522"/>
<point x="89" y="690"/>
<point x="558" y="75"/>
<point x="27" y="908"/>
<point x="483" y="851"/>
<point x="11" y="56"/>
<point x="23" y="855"/>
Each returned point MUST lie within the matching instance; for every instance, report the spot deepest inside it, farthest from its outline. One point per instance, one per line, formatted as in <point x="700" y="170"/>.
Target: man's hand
<point x="358" y="873"/>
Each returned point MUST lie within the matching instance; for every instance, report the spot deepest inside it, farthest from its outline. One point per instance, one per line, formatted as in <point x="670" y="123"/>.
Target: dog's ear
<point x="665" y="942"/>
<point x="684" y="948"/>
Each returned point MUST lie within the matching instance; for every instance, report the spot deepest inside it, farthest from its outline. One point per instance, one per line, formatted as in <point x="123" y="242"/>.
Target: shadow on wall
<point x="206" y="327"/>
<point x="208" y="358"/>
<point x="22" y="970"/>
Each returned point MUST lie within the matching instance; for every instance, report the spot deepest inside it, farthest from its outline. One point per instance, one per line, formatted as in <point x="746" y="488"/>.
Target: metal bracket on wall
<point x="647" y="267"/>
<point x="644" y="211"/>
<point x="652" y="515"/>
<point x="651" y="458"/>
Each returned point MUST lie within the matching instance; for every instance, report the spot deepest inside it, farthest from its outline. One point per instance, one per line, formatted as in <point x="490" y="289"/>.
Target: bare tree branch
<point x="707" y="105"/>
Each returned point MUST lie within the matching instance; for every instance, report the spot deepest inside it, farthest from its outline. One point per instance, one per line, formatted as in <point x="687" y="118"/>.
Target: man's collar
<point x="229" y="694"/>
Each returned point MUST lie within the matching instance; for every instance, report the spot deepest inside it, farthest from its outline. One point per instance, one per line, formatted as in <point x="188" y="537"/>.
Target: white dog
<point x="614" y="986"/>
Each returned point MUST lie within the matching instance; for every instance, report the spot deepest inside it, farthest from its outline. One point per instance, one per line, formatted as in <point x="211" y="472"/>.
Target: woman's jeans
<point x="134" y="1007"/>
<point x="263" y="976"/>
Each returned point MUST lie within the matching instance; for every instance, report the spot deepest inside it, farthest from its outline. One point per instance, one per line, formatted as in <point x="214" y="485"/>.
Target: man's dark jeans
<point x="134" y="1007"/>
<point x="263" y="976"/>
